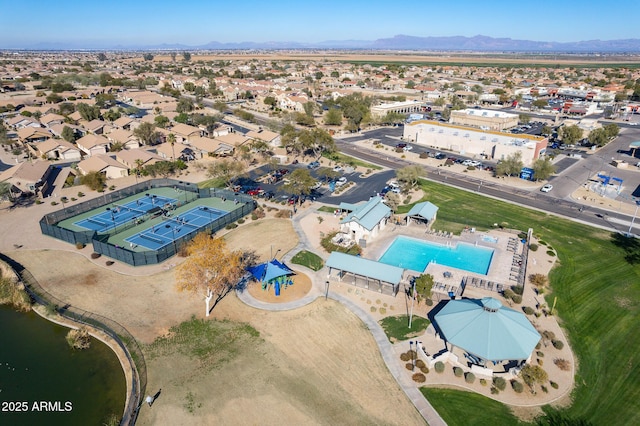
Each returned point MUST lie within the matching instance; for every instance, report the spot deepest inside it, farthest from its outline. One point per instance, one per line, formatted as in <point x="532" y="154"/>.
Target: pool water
<point x="410" y="253"/>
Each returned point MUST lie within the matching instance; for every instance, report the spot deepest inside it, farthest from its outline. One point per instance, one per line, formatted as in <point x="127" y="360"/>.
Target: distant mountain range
<point x="477" y="43"/>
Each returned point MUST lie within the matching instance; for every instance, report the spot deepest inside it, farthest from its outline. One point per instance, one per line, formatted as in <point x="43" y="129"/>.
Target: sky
<point x="192" y="22"/>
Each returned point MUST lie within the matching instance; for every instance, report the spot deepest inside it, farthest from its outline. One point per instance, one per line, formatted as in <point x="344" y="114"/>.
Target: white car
<point x="547" y="188"/>
<point x="337" y="169"/>
<point x="341" y="181"/>
<point x="317" y="185"/>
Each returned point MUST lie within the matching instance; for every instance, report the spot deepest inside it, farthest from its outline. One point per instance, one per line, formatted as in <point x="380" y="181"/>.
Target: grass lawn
<point x="212" y="183"/>
<point x="597" y="283"/>
<point x="452" y="403"/>
<point x="308" y="259"/>
<point x="397" y="327"/>
<point x="345" y="159"/>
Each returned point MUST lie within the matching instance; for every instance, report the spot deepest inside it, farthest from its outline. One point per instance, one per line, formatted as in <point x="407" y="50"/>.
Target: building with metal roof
<point x="365" y="220"/>
<point x="424" y="212"/>
<point x="365" y="273"/>
<point x="486" y="330"/>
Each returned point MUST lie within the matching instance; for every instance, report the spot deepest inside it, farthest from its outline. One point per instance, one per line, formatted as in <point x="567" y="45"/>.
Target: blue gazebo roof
<point x="487" y="329"/>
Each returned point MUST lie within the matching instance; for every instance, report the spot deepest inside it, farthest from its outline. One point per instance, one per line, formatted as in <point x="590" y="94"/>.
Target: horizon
<point x="195" y="23"/>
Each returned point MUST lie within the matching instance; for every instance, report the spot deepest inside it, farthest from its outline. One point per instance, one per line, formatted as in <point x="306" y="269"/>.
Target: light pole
<point x="411" y="353"/>
<point x="413" y="297"/>
<point x="634" y="217"/>
<point x="173" y="231"/>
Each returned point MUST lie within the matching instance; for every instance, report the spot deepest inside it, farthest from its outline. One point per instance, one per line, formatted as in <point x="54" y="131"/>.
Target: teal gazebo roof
<point x="487" y="329"/>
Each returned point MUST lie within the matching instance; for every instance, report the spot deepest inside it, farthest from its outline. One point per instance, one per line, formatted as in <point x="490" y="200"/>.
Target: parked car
<point x="313" y="165"/>
<point x="254" y="191"/>
<point x="546" y="188"/>
<point x="440" y="156"/>
<point x="317" y="185"/>
<point x="337" y="169"/>
<point x="341" y="181"/>
<point x="401" y="146"/>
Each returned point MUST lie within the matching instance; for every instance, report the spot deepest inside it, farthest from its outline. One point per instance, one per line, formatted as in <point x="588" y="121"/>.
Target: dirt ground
<point x="301" y="286"/>
<point x="286" y="374"/>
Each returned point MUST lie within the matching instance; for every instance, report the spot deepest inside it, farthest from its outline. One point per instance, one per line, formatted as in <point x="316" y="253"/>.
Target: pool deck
<point x="501" y="269"/>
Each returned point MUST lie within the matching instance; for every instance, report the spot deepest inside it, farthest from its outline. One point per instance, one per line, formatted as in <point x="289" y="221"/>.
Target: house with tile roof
<point x="58" y="149"/>
<point x="104" y="164"/>
<point x="93" y="144"/>
<point x="27" y="177"/>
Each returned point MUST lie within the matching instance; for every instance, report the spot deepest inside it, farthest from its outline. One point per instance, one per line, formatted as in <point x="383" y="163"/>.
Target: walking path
<point x="386" y="350"/>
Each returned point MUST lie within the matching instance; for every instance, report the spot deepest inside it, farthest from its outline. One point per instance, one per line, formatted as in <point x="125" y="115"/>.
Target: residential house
<point x="184" y="132"/>
<point x="32" y="134"/>
<point x="51" y="119"/>
<point x="27" y="177"/>
<point x="124" y="137"/>
<point x="93" y="144"/>
<point x="58" y="149"/>
<point x="176" y="151"/>
<point x="210" y="147"/>
<point x="233" y="139"/>
<point x="124" y="123"/>
<point x="97" y="127"/>
<point x="365" y="220"/>
<point x="135" y="158"/>
<point x="104" y="164"/>
<point x="272" y="138"/>
<point x="21" y="121"/>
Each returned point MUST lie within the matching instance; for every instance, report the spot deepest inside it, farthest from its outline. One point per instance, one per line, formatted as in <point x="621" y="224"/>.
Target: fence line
<point x="117" y="332"/>
<point x="48" y="224"/>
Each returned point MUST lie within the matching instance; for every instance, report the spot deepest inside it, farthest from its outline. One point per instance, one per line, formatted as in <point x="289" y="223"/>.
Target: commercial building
<point x="474" y="142"/>
<point x="484" y="119"/>
<point x="406" y="107"/>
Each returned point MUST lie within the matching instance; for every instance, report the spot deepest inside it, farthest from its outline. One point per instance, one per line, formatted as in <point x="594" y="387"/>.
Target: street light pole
<point x="634" y="217"/>
<point x="413" y="297"/>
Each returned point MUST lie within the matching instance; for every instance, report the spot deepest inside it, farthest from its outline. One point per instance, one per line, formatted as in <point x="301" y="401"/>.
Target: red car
<point x="255" y="191"/>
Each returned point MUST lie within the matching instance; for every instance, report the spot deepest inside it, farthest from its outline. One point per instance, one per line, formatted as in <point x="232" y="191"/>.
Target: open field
<point x="598" y="300"/>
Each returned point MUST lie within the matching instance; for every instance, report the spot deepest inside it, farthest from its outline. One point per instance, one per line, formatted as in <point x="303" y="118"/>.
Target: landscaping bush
<point x="554" y="385"/>
<point x="539" y="345"/>
<point x="458" y="371"/>
<point x="517" y="386"/>
<point x="95" y="255"/>
<point x="79" y="246"/>
<point x="557" y="344"/>
<point x="483" y="382"/>
<point x="254" y="216"/>
<point x="79" y="339"/>
<point x="469" y="377"/>
<point x="420" y="363"/>
<point x="494" y="390"/>
<point x="240" y="221"/>
<point x="53" y="203"/>
<point x="373" y="309"/>
<point x="38" y="201"/>
<point x="528" y="310"/>
<point x="500" y="383"/>
<point x="409" y="366"/>
<point x="518" y="289"/>
<point x="425" y="370"/>
<point x="231" y="226"/>
<point x="540" y="354"/>
<point x="517" y="298"/>
<point x="419" y="378"/>
<point x="562" y="364"/>
<point x="551" y="253"/>
<point x="424" y="155"/>
<point x="508" y="293"/>
<point x="439" y="367"/>
<point x="522" y="235"/>
<point x="429" y="302"/>
<point x="80" y="194"/>
<point x="406" y="356"/>
<point x="544" y="389"/>
<point x="549" y="335"/>
<point x="109" y="262"/>
<point x="540" y="362"/>
<point x="533" y="247"/>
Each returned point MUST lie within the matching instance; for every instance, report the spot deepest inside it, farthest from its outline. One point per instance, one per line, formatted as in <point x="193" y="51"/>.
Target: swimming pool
<point x="414" y="254"/>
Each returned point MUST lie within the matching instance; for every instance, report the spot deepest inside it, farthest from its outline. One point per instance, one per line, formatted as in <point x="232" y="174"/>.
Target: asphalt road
<point x="546" y="202"/>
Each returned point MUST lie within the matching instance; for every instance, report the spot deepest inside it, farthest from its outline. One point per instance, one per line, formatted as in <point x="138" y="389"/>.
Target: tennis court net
<point x="182" y="222"/>
<point x="97" y="222"/>
<point x="152" y="239"/>
<point x="139" y="212"/>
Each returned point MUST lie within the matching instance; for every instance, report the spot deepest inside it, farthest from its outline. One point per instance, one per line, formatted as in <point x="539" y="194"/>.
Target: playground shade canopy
<point x="269" y="271"/>
<point x="487" y="329"/>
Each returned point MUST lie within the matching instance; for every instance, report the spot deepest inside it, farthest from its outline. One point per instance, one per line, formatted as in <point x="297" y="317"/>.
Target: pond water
<point x="44" y="381"/>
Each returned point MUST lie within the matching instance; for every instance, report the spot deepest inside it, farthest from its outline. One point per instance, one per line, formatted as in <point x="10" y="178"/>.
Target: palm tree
<point x="172" y="140"/>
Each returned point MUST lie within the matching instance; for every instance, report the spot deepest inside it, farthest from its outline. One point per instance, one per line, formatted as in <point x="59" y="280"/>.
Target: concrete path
<point x="386" y="350"/>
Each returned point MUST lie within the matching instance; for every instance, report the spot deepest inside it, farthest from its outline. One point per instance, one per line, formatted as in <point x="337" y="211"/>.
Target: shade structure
<point x="270" y="270"/>
<point x="487" y="329"/>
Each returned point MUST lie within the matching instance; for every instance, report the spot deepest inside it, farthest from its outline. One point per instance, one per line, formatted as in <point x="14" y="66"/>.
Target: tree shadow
<point x="630" y="245"/>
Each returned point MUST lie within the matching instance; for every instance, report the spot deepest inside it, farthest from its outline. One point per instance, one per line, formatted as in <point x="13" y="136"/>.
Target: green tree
<point x="611" y="130"/>
<point x="300" y="182"/>
<point x="161" y="121"/>
<point x="546" y="130"/>
<point x="543" y="168"/>
<point x="510" y="166"/>
<point x="423" y="286"/>
<point x="446" y="113"/>
<point x="54" y="98"/>
<point x="184" y="105"/>
<point x="5" y="191"/>
<point x="88" y="112"/>
<point x="94" y="180"/>
<point x="533" y="374"/>
<point x="227" y="170"/>
<point x="570" y="134"/>
<point x="147" y="134"/>
<point x="540" y="103"/>
<point x="318" y="75"/>
<point x="409" y="175"/>
<point x="220" y="106"/>
<point x="271" y="101"/>
<point x="68" y="134"/>
<point x="524" y="118"/>
<point x="102" y="57"/>
<point x="186" y="56"/>
<point x="112" y="115"/>
<point x="333" y="117"/>
<point x="147" y="57"/>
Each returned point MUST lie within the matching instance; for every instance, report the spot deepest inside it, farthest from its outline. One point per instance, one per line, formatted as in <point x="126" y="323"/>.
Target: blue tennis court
<point x="173" y="228"/>
<point x="118" y="214"/>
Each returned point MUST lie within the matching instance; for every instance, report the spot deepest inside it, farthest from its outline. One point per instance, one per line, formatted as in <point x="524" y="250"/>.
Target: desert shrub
<point x="540" y="362"/>
<point x="283" y="214"/>
<point x="549" y="335"/>
<point x="494" y="390"/>
<point x="95" y="255"/>
<point x="518" y="289"/>
<point x="483" y="382"/>
<point x="409" y="366"/>
<point x="542" y="242"/>
<point x="231" y="226"/>
<point x="53" y="203"/>
<point x="540" y="354"/>
<point x="528" y="310"/>
<point x="79" y="339"/>
<point x="544" y="389"/>
<point x="508" y="293"/>
<point x="551" y="253"/>
<point x="538" y="280"/>
<point x="38" y="201"/>
<point x="424" y="155"/>
<point x="406" y="356"/>
<point x="79" y="246"/>
<point x="517" y="298"/>
<point x="469" y="377"/>
<point x="240" y="221"/>
<point x="373" y="309"/>
<point x="522" y="235"/>
<point x="254" y="216"/>
<point x="517" y="386"/>
<point x="539" y="345"/>
<point x="429" y="302"/>
<point x="73" y="198"/>
<point x="80" y="194"/>
<point x="419" y="378"/>
<point x="500" y="383"/>
<point x="557" y="344"/>
<point x="425" y="370"/>
<point x="439" y="367"/>
<point x="382" y="311"/>
<point x="458" y="371"/>
<point x="554" y="385"/>
<point x="533" y="247"/>
<point x="562" y="364"/>
<point x="109" y="262"/>
<point x="420" y="363"/>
